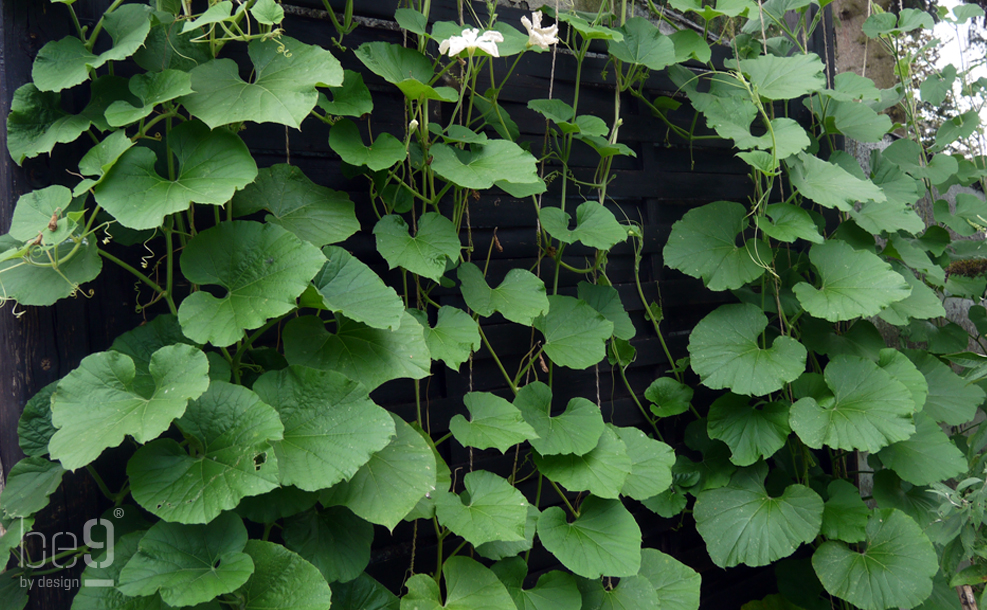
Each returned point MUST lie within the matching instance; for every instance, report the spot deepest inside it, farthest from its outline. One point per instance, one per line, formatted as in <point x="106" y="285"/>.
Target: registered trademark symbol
<point x="117" y="513"/>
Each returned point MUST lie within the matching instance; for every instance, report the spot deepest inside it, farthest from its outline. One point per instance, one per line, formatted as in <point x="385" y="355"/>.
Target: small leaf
<point x="453" y="338"/>
<point x="668" y="397"/>
<point x="575" y="431"/>
<point x="596" y="226"/>
<point x="387" y="487"/>
<point x="434" y="244"/>
<point x="469" y="586"/>
<point x="925" y="457"/>
<point x="98" y="404"/>
<point x="333" y="539"/>
<point x="282" y="580"/>
<point x="845" y="514"/>
<point x="350" y="287"/>
<point x="267" y="12"/>
<point x="24" y="281"/>
<point x="231" y="431"/>
<point x="725" y="352"/>
<point x="783" y="78"/>
<point x="36" y="123"/>
<point x="345" y="140"/>
<point x="151" y="89"/>
<point x="606" y="300"/>
<point x="604" y="540"/>
<point x="34" y="212"/>
<point x="554" y="110"/>
<point x="601" y="471"/>
<point x="34" y="428"/>
<point x="788" y="223"/>
<point x="741" y="523"/>
<point x="644" y="45"/>
<point x="212" y="165"/>
<point x="921" y="304"/>
<point x="102" y="598"/>
<point x="575" y="334"/>
<point x="484" y="164"/>
<point x="286" y="74"/>
<point x="519" y="298"/>
<point x="853" y="283"/>
<point x="369" y="356"/>
<point x="704" y="245"/>
<point x="751" y="433"/>
<point x="352" y="98"/>
<point x="830" y="185"/>
<point x="902" y="369"/>
<point x="555" y="590"/>
<point x="651" y="464"/>
<point x="331" y="426"/>
<point x="28" y="486"/>
<point x="490" y="509"/>
<point x="189" y="564"/>
<point x="895" y="570"/>
<point x="493" y="422"/>
<point x="405" y="68"/>
<point x="312" y="212"/>
<point x="951" y="400"/>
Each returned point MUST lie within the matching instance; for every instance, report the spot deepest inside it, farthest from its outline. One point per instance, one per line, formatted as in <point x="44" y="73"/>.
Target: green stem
<point x="99" y="482"/>
<point x="99" y="25"/>
<point x="644" y="412"/>
<point x="510" y="382"/>
<point x="558" y="490"/>
<point x="142" y="278"/>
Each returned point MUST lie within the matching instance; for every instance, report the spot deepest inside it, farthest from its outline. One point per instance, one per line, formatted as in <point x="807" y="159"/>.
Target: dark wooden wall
<point x="666" y="178"/>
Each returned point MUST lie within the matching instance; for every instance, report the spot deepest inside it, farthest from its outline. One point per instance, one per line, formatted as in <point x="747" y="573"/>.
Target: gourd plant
<point x="257" y="461"/>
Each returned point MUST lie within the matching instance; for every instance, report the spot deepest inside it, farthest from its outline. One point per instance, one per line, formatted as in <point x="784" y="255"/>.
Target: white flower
<point x="471" y="40"/>
<point x="413" y="125"/>
<point x="537" y="35"/>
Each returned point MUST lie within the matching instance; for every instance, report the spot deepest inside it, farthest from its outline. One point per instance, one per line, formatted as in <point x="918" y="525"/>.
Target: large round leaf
<point x="853" y="283"/>
<point x="314" y="213"/>
<point x="519" y="298"/>
<point x="493" y="422"/>
<point x="189" y="564"/>
<point x="366" y="355"/>
<point x="434" y="244"/>
<point x="604" y="540"/>
<point x="98" y="404"/>
<point x="751" y="432"/>
<point x="741" y="523"/>
<point x="490" y="510"/>
<point x="331" y="427"/>
<point x="576" y="430"/>
<point x="575" y="333"/>
<point x="726" y="353"/>
<point x="865" y="408"/>
<point x="704" y="245"/>
<point x="263" y="268"/>
<point x="231" y="432"/>
<point x="212" y="165"/>
<point x="332" y="539"/>
<point x="388" y="487"/>
<point x="282" y="581"/>
<point x="286" y="74"/>
<point x="895" y="570"/>
<point x="601" y="472"/>
<point x="782" y="78"/>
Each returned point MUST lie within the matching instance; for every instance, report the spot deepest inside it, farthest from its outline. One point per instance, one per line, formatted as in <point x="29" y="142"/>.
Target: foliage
<point x="245" y="411"/>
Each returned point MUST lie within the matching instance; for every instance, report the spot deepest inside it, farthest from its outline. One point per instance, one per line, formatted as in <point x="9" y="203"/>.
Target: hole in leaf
<point x="259" y="460"/>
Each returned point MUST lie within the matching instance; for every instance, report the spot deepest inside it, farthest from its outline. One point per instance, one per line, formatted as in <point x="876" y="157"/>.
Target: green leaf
<point x="189" y="564"/>
<point x="151" y="89"/>
<point x="741" y="523"/>
<point x="98" y="404"/>
<point x="554" y="110"/>
<point x="366" y="355"/>
<point x="484" y="164"/>
<point x="352" y="98"/>
<point x="387" y="487"/>
<point x="704" y="245"/>
<point x="631" y="593"/>
<point x="858" y="121"/>
<point x="644" y="45"/>
<point x="333" y="539"/>
<point x="888" y="216"/>
<point x="902" y="369"/>
<point x="34" y="428"/>
<point x="865" y="409"/>
<point x="28" y="486"/>
<point x="384" y="152"/>
<point x="587" y="30"/>
<point x="676" y="584"/>
<point x="263" y="267"/>
<point x="314" y="213"/>
<point x="668" y="397"/>
<point x="555" y="590"/>
<point x="469" y="586"/>
<point x="500" y="549"/>
<point x="405" y="68"/>
<point x="895" y="570"/>
<point x="788" y="223"/>
<point x="830" y="185"/>
<point x="575" y="334"/>
<point x="282" y="580"/>
<point x="853" y="283"/>
<point x="845" y="514"/>
<point x="916" y="502"/>
<point x="211" y="167"/>
<point x="434" y="245"/>
<point x="364" y="593"/>
<point x="596" y="226"/>
<point x="267" y="12"/>
<point x="102" y="598"/>
<point x="783" y="78"/>
<point x="951" y="400"/>
<point x="349" y="286"/>
<point x="601" y="471"/>
<point x="34" y="212"/>
<point x="64" y="63"/>
<point x="36" y="122"/>
<point x="651" y="464"/>
<point x="453" y="338"/>
<point x="606" y="300"/>
<point x="24" y="281"/>
<point x="276" y="504"/>
<point x="725" y="352"/>
<point x="519" y="298"/>
<point x="604" y="540"/>
<point x="100" y="159"/>
<point x="286" y="74"/>
<point x="751" y="432"/>
<point x="577" y="430"/>
<point x="490" y="509"/>
<point x="690" y="44"/>
<point x="331" y="426"/>
<point x="493" y="422"/>
<point x="925" y="457"/>
<point x="922" y="303"/>
<point x="231" y="431"/>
